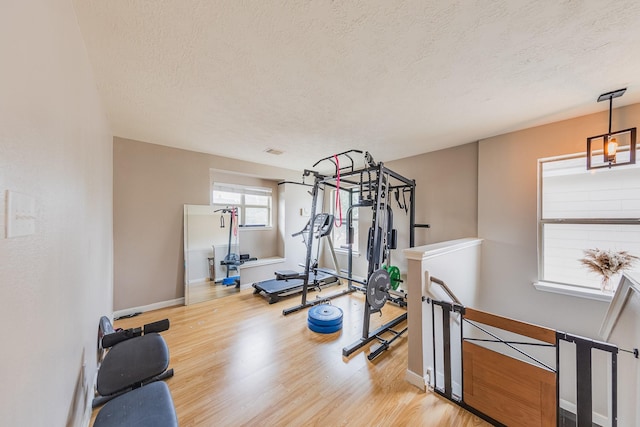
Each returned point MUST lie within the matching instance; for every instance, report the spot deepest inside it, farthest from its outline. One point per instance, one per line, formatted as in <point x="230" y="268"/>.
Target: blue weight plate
<point x="325" y="322"/>
<point x="324" y="329"/>
<point x="325" y="315"/>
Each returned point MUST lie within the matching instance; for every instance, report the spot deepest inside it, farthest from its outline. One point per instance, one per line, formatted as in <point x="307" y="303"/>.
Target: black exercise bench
<point x="128" y="381"/>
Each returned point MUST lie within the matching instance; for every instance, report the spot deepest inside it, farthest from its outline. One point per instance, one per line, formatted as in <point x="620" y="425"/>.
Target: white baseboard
<point x="150" y="307"/>
<point x="416" y="380"/>
<point x="597" y="418"/>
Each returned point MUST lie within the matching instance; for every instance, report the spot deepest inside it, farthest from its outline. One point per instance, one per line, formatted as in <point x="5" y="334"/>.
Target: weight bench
<point x="136" y="357"/>
<point x="148" y="406"/>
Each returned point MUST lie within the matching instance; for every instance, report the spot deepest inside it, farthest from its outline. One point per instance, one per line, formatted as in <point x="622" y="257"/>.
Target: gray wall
<point x="56" y="146"/>
<point x="446" y="193"/>
<point x="446" y="198"/>
<point x="507" y="221"/>
<point x="151" y="184"/>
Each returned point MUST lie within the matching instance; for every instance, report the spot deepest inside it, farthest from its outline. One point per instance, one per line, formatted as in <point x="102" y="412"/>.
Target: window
<point x="253" y="203"/>
<point x="580" y="210"/>
<point x="339" y="231"/>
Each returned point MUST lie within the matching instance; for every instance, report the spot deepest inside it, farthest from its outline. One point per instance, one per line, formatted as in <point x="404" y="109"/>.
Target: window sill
<point x="574" y="291"/>
<point x="243" y="228"/>
<point x="262" y="261"/>
<point x="343" y="251"/>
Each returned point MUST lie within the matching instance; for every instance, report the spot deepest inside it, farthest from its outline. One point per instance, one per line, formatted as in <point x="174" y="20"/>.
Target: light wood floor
<point x="239" y="362"/>
<point x="207" y="290"/>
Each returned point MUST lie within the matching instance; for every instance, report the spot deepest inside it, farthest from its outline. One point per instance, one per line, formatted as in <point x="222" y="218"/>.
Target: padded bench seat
<point x="147" y="406"/>
<point x="131" y="363"/>
<point x="287" y="274"/>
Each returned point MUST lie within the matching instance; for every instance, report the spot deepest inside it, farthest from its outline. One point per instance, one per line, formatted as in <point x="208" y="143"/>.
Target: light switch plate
<point x="21" y="214"/>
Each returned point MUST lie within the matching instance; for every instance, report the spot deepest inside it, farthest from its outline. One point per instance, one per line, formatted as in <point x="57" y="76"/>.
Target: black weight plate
<point x="378" y="288"/>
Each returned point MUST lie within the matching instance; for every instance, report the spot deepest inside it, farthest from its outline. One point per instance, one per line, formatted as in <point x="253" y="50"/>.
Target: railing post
<point x="584" y="404"/>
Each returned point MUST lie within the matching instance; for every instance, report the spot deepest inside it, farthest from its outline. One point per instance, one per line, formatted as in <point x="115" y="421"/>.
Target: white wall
<point x="56" y="146"/>
<point x="296" y="198"/>
<point x="627" y="333"/>
<point x="457" y="264"/>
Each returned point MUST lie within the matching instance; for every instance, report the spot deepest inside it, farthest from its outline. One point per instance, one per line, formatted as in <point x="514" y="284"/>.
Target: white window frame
<point x="569" y="288"/>
<point x="243" y="191"/>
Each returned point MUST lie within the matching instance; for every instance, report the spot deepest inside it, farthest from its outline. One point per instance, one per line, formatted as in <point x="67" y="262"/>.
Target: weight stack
<point x="325" y="319"/>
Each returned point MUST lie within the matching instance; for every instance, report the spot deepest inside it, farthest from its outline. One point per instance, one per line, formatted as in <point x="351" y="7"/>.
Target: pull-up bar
<point x="344" y="153"/>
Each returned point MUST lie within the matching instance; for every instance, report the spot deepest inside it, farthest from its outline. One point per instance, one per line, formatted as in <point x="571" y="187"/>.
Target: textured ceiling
<point x="311" y="78"/>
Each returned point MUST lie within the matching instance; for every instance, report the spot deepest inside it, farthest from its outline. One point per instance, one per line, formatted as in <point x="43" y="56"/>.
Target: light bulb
<point x="612" y="148"/>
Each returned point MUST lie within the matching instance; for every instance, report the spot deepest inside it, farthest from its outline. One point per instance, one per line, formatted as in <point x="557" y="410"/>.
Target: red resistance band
<point x="338" y="204"/>
<point x="234" y="220"/>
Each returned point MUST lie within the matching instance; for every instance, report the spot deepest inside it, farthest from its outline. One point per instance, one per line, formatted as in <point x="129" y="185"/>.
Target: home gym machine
<point x="373" y="184"/>
<point x="288" y="282"/>
<point x="232" y="261"/>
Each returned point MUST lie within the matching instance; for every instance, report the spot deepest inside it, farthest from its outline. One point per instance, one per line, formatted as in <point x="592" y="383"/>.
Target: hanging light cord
<point x="610" y="109"/>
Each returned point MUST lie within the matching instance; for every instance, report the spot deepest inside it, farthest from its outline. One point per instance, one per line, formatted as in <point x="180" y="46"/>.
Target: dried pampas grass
<point x="607" y="263"/>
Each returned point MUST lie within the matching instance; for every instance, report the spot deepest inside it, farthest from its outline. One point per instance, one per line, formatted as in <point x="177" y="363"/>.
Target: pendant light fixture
<point x="612" y="148"/>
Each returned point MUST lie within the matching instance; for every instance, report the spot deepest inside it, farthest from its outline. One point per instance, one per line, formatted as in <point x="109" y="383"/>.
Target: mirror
<point x="211" y="253"/>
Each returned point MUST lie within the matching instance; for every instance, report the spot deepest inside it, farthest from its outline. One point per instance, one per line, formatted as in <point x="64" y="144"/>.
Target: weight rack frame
<point x="386" y="181"/>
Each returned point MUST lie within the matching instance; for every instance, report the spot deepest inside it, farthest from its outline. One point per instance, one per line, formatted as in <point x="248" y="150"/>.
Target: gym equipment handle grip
<point x="378" y="351"/>
<point x="112" y="339"/>
<point x="159" y="326"/>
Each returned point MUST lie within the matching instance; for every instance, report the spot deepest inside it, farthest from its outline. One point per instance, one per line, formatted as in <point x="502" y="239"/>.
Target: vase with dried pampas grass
<point x="607" y="264"/>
